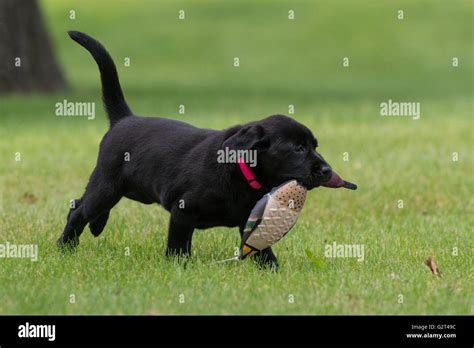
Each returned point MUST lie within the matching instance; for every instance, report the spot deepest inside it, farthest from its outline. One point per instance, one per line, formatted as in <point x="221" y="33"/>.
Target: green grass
<point x="282" y="62"/>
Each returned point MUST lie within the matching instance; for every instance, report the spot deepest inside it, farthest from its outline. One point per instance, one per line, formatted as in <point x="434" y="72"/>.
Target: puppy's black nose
<point x="326" y="172"/>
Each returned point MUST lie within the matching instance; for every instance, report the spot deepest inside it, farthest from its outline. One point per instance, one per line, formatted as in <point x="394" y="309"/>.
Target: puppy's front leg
<point x="265" y="258"/>
<point x="180" y="235"/>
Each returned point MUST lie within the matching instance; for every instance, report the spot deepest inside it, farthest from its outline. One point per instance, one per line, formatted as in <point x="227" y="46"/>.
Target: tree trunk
<point x="27" y="62"/>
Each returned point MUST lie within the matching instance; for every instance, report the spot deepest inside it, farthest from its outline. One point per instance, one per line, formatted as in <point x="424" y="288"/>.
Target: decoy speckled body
<point x="276" y="213"/>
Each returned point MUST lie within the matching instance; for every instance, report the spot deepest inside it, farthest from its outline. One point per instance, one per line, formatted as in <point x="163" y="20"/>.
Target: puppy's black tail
<point x="114" y="101"/>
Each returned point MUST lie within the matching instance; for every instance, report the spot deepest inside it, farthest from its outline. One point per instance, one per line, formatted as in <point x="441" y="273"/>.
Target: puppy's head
<point x="285" y="149"/>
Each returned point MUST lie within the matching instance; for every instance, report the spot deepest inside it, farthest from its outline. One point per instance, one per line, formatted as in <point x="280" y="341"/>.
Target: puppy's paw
<point x="177" y="253"/>
<point x="270" y="266"/>
<point x="97" y="225"/>
<point x="67" y="244"/>
<point x="266" y="260"/>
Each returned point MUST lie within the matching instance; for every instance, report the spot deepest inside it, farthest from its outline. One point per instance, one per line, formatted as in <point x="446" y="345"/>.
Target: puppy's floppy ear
<point x="248" y="138"/>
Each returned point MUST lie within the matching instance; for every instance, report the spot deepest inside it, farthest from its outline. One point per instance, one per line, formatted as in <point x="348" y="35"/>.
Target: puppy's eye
<point x="299" y="148"/>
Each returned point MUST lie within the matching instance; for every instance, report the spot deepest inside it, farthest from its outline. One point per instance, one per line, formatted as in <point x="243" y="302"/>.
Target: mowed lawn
<point x="426" y="163"/>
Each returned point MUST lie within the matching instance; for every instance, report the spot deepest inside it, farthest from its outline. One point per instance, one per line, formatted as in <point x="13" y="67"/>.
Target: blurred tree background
<point x="27" y="61"/>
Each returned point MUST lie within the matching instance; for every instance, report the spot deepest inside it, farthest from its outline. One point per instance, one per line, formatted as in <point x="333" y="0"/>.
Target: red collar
<point x="249" y="175"/>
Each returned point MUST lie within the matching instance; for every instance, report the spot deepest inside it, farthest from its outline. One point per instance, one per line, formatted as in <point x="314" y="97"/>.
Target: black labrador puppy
<point x="158" y="160"/>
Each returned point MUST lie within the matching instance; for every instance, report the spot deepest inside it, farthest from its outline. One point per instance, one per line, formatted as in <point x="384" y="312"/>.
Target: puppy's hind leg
<point x="101" y="195"/>
<point x="98" y="224"/>
<point x="75" y="204"/>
